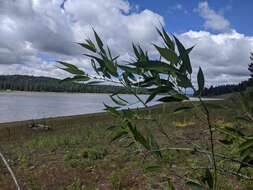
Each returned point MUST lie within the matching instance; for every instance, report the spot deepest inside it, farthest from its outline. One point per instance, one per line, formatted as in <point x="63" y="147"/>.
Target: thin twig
<point x="10" y="171"/>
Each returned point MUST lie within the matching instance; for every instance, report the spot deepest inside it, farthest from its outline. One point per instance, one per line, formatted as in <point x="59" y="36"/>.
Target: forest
<point x="46" y="84"/>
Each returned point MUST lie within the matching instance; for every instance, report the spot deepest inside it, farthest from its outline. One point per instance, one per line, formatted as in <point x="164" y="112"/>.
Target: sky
<point x="36" y="33"/>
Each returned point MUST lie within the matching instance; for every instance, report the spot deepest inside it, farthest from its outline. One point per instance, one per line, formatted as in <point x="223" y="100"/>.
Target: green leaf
<point x="230" y="131"/>
<point x="209" y="178"/>
<point x="68" y="65"/>
<point x="119" y="135"/>
<point x="138" y="136"/>
<point x="71" y="68"/>
<point x="168" y="54"/>
<point x="194" y="185"/>
<point x="155" y="148"/>
<point x="246" y="145"/>
<point x="99" y="41"/>
<point x="201" y="80"/>
<point x="151" y="97"/>
<point x="245" y="119"/>
<point x="129" y="69"/>
<point x="183" y="81"/>
<point x="111" y="127"/>
<point x="155" y="66"/>
<point x="184" y="55"/>
<point x="154" y="168"/>
<point x="169" y="43"/>
<point x="112" y="110"/>
<point x="167" y="40"/>
<point x="89" y="45"/>
<point x="182" y="109"/>
<point x="173" y="98"/>
<point x="170" y="185"/>
<point x="76" y="78"/>
<point x="93" y="82"/>
<point x="136" y="52"/>
<point x="118" y="102"/>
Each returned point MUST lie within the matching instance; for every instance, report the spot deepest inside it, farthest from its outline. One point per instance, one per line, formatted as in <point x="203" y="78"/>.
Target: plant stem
<point x="10" y="171"/>
<point x="211" y="141"/>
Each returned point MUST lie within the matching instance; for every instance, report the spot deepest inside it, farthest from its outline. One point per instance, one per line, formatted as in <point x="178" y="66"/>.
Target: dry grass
<point x="77" y="153"/>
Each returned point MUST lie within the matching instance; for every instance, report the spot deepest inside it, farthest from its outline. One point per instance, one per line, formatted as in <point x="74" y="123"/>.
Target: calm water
<point x="17" y="106"/>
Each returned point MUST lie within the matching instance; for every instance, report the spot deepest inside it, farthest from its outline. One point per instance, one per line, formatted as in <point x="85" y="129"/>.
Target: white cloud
<point x="30" y="28"/>
<point x="46" y="27"/>
<point x="213" y="20"/>
<point x="223" y="57"/>
<point x="177" y="7"/>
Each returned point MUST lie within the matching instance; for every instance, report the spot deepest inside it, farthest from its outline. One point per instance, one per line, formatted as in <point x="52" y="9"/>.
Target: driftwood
<point x="40" y="127"/>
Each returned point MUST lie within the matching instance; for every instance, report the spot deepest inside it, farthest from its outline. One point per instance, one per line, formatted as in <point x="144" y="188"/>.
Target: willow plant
<point x="170" y="75"/>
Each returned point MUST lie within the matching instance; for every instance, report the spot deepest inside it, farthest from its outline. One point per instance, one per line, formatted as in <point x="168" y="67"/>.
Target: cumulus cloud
<point x="223" y="57"/>
<point x="29" y="27"/>
<point x="213" y="20"/>
<point x="35" y="32"/>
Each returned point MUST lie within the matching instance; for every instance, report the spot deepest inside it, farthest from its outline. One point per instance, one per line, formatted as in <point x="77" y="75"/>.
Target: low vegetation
<point x="83" y="156"/>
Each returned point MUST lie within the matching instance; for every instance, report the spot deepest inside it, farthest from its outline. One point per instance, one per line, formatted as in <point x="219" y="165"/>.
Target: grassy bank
<point x="78" y="153"/>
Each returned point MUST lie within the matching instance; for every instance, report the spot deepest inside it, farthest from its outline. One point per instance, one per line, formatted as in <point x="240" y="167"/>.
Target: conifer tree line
<point x="229" y="88"/>
<point x="46" y="84"/>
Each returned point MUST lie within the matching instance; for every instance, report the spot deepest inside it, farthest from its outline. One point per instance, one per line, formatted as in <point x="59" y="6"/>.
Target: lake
<point x="18" y="106"/>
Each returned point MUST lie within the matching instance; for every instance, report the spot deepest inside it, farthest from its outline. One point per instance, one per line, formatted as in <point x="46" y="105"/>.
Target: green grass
<point x="77" y="152"/>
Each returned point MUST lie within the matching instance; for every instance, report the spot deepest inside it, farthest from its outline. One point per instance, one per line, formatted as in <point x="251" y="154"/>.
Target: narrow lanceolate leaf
<point x="168" y="54"/>
<point x="169" y="43"/>
<point x="168" y="40"/>
<point x="89" y="45"/>
<point x="119" y="135"/>
<point x="170" y="185"/>
<point x="246" y="145"/>
<point x="155" y="66"/>
<point x="118" y="101"/>
<point x="155" y="148"/>
<point x="138" y="136"/>
<point x="182" y="109"/>
<point x="77" y="78"/>
<point x="201" y="80"/>
<point x="151" y="97"/>
<point x="209" y="178"/>
<point x="173" y="98"/>
<point x="190" y="49"/>
<point x="183" y="81"/>
<point x="93" y="82"/>
<point x="99" y="41"/>
<point x="112" y="110"/>
<point x="230" y="131"/>
<point x="111" y="67"/>
<point x="194" y="185"/>
<point x="71" y="68"/>
<point x="136" y="52"/>
<point x="184" y="55"/>
<point x="154" y="168"/>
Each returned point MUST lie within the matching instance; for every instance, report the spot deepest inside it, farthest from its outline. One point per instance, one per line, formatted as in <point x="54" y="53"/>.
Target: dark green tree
<point x="251" y="67"/>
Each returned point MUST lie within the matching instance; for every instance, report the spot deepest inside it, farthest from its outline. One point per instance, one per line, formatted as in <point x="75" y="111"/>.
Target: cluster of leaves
<point x="168" y="75"/>
<point x="241" y="141"/>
